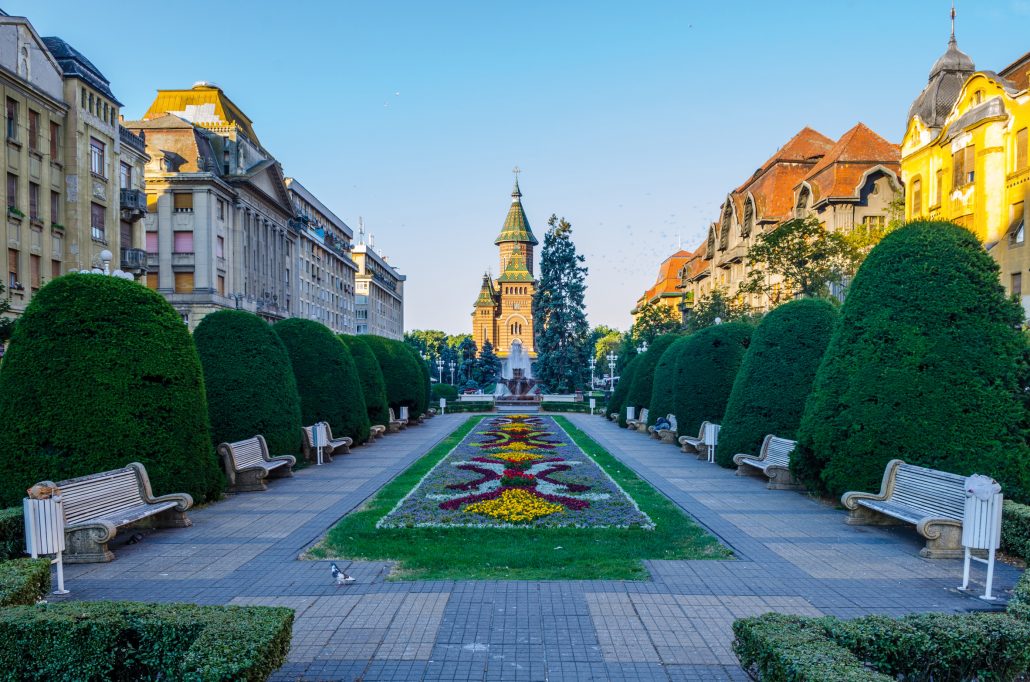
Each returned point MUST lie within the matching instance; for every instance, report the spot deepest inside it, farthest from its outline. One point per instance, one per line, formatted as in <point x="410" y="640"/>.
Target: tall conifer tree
<point x="559" y="314"/>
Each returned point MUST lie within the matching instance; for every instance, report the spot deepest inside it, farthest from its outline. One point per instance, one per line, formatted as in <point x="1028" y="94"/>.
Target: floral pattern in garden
<point x="517" y="471"/>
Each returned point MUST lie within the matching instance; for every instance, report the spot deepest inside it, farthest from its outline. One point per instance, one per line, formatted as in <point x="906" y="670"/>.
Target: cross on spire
<point x="952" y="20"/>
<point x="516" y="194"/>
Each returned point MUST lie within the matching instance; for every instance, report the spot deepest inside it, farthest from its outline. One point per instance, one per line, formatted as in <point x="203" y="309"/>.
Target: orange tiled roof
<point x="668" y="276"/>
<point x="838" y="173"/>
<point x="697" y="263"/>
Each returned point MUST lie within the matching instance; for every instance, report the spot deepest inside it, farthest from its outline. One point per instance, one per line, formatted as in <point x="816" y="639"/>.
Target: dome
<point x="953" y="59"/>
<point x="947" y="77"/>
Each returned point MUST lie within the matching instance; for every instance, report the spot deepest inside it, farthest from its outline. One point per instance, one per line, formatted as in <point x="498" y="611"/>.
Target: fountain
<point x="516" y="388"/>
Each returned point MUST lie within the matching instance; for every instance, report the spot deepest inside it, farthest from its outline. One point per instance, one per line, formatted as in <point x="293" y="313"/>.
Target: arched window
<point x="802" y="206"/>
<point x="724" y="228"/>
<point x="749" y="218"/>
<point x="916" y="197"/>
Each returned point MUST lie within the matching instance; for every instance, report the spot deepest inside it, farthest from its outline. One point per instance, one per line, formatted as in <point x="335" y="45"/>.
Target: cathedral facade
<point x="503" y="312"/>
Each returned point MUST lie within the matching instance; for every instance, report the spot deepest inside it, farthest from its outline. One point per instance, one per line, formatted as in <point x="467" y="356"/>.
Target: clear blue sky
<point x="631" y="119"/>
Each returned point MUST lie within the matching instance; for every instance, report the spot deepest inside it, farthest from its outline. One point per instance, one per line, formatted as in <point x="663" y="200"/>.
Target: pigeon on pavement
<point x="339" y="576"/>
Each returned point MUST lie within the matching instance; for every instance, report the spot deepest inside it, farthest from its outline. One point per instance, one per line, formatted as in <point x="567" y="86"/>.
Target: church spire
<point x="516" y="194"/>
<point x="516" y="226"/>
<point x="952" y="41"/>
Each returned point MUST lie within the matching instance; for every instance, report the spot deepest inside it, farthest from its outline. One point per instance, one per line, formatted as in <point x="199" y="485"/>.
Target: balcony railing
<point x="134" y="259"/>
<point x="133" y="203"/>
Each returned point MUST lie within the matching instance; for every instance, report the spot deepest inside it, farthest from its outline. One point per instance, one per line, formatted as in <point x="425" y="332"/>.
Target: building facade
<point x="132" y="186"/>
<point x="666" y="290"/>
<point x="966" y="157"/>
<point x="503" y="311"/>
<point x="379" y="293"/>
<point x="324" y="265"/>
<point x="220" y="230"/>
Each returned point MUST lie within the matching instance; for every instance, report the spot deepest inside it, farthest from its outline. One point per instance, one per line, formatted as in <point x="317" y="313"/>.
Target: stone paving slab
<point x="792" y="554"/>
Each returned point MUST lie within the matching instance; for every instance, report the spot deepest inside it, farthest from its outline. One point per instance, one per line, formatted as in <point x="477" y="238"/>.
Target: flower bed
<point x="516" y="471"/>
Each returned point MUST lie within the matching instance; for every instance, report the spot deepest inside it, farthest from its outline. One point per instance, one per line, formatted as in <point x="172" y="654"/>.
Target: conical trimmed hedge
<point x="922" y="367"/>
<point x="327" y="378"/>
<point x="400" y="374"/>
<point x="776" y="376"/>
<point x="372" y="387"/>
<point x="422" y="387"/>
<point x="621" y="392"/>
<point x="101" y="372"/>
<point x="706" y="368"/>
<point x="643" y="376"/>
<point x="667" y="378"/>
<point x="249" y="381"/>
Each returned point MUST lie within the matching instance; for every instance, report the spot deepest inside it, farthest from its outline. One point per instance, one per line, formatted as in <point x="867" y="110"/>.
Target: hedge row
<point x="706" y="368"/>
<point x="667" y="379"/>
<point x="12" y="533"/>
<point x="618" y="402"/>
<point x="94" y="641"/>
<point x="445" y="391"/>
<point x="567" y="407"/>
<point x="23" y="581"/>
<point x="373" y="389"/>
<point x="928" y="646"/>
<point x="639" y="395"/>
<point x="1019" y="604"/>
<point x="401" y="374"/>
<point x="469" y="406"/>
<point x="1015" y="529"/>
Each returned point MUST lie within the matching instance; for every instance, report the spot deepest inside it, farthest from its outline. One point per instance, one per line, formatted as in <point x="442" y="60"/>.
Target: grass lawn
<point x="519" y="553"/>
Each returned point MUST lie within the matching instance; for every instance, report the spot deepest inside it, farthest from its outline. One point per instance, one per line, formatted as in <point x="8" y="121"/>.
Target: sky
<point x="633" y="120"/>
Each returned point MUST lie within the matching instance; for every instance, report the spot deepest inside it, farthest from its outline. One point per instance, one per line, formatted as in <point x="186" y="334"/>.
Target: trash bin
<point x="404" y="413"/>
<point x="44" y="529"/>
<point x="981" y="526"/>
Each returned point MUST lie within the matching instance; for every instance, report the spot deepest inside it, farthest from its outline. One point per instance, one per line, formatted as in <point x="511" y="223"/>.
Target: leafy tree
<point x="327" y="378"/>
<point x="373" y="388"/>
<point x="489" y="364"/>
<point x="604" y="340"/>
<point x="249" y="380"/>
<point x="428" y="342"/>
<point x="807" y="257"/>
<point x="776" y="376"/>
<point x="559" y="311"/>
<point x="716" y="304"/>
<point x="864" y="236"/>
<point x="706" y="369"/>
<point x="643" y="378"/>
<point x="101" y="372"/>
<point x="468" y="353"/>
<point x="925" y="366"/>
<point x="652" y="321"/>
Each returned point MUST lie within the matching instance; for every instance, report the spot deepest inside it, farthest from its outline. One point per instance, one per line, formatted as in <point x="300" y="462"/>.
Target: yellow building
<point x="965" y="157"/>
<point x="503" y="313"/>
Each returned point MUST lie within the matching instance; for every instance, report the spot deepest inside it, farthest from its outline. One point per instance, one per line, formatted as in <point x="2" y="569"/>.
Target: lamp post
<point x="612" y="358"/>
<point x="439" y="367"/>
<point x="593" y="364"/>
<point x="642" y="348"/>
<point x="451" y="365"/>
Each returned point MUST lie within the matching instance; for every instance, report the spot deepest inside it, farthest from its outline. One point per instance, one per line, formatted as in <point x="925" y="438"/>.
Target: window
<point x="33" y="130"/>
<point x="917" y="197"/>
<point x="12" y="119"/>
<point x="874" y="222"/>
<point x="184" y="282"/>
<point x="940" y="187"/>
<point x="182" y="242"/>
<point x="964" y="164"/>
<point x="55" y="141"/>
<point x="221" y="285"/>
<point x="34" y="273"/>
<point x="12" y="269"/>
<point x="55" y="207"/>
<point x="221" y="210"/>
<point x="96" y="221"/>
<point x="151" y="242"/>
<point x="1017" y="229"/>
<point x="84" y="101"/>
<point x="220" y="248"/>
<point x="34" y="201"/>
<point x="55" y="269"/>
<point x="152" y="279"/>
<point x="125" y="234"/>
<point x="96" y="156"/>
<point x="125" y="176"/>
<point x="1016" y="285"/>
<point x="12" y="190"/>
<point x="183" y="202"/>
<point x="1021" y="149"/>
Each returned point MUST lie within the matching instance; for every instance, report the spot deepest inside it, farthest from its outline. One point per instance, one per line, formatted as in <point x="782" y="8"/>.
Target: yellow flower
<point x="515" y="505"/>
<point x="516" y="456"/>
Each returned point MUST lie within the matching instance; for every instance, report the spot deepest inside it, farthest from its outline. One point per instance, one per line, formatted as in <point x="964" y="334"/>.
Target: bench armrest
<point x="739" y="457"/>
<point x="289" y="459"/>
<point x="184" y="500"/>
<point x="850" y="499"/>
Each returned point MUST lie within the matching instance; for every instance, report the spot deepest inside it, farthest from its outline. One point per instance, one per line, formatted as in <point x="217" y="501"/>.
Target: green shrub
<point x="775" y="376"/>
<point x="24" y="581"/>
<point x="326" y="376"/>
<point x="782" y="648"/>
<point x="580" y="408"/>
<point x="12" y="533"/>
<point x="250" y="385"/>
<point x="445" y="391"/>
<point x="640" y="390"/>
<point x="100" y="641"/>
<point x="618" y="402"/>
<point x="400" y="374"/>
<point x="1019" y="605"/>
<point x="469" y="406"/>
<point x="922" y="367"/>
<point x="372" y="387"/>
<point x="101" y="372"/>
<point x="422" y="386"/>
<point x="1015" y="529"/>
<point x="705" y="371"/>
<point x="666" y="381"/>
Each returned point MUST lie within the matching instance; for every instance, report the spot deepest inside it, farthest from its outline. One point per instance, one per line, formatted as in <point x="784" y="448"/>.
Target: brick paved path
<point x="792" y="555"/>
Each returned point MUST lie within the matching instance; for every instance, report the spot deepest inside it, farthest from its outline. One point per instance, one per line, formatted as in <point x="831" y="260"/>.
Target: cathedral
<point x="503" y="312"/>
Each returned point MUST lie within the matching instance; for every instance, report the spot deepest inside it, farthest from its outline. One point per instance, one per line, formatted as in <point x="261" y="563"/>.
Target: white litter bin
<point x="44" y="532"/>
<point x="981" y="526"/>
<point x="631" y="413"/>
<point x="404" y="413"/>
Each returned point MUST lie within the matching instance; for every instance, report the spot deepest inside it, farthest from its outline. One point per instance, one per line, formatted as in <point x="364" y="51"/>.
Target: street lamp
<point x="718" y="320"/>
<point x="451" y="365"/>
<point x="642" y="348"/>
<point x="439" y="367"/>
<point x="593" y="364"/>
<point x="612" y="358"/>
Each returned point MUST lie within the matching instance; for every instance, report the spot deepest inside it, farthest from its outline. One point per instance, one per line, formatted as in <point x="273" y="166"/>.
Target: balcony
<point x="134" y="260"/>
<point x="133" y="204"/>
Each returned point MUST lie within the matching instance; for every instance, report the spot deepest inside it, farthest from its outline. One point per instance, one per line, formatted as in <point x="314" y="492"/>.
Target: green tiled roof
<point x="486" y="293"/>
<point x="516" y="227"/>
<point x="515" y="270"/>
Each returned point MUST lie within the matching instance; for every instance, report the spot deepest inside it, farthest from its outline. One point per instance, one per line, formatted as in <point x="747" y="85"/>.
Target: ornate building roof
<point x="205" y="105"/>
<point x="839" y="173"/>
<point x="75" y="65"/>
<point x="516" y="226"/>
<point x="943" y="87"/>
<point x="516" y="270"/>
<point x="487" y="295"/>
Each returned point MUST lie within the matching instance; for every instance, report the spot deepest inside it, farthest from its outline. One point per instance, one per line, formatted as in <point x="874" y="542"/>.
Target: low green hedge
<point x="925" y="646"/>
<point x="1019" y="605"/>
<point x="90" y="641"/>
<point x="23" y="581"/>
<point x="468" y="406"/>
<point x="443" y="391"/>
<point x="1015" y="529"/>
<point x="12" y="533"/>
<point x="568" y="407"/>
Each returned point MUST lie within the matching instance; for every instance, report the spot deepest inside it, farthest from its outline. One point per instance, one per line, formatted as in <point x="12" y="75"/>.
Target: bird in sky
<point x="339" y="576"/>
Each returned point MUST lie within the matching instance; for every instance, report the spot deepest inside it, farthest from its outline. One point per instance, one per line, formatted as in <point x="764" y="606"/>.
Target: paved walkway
<point x="792" y="555"/>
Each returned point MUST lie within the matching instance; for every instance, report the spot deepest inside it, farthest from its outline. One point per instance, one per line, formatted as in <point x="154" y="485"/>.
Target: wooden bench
<point x="639" y="424"/>
<point x="247" y="464"/>
<point x="332" y="448"/>
<point x="665" y="435"/>
<point x="773" y="461"/>
<point x="97" y="505"/>
<point x="932" y="500"/>
<point x="395" y="424"/>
